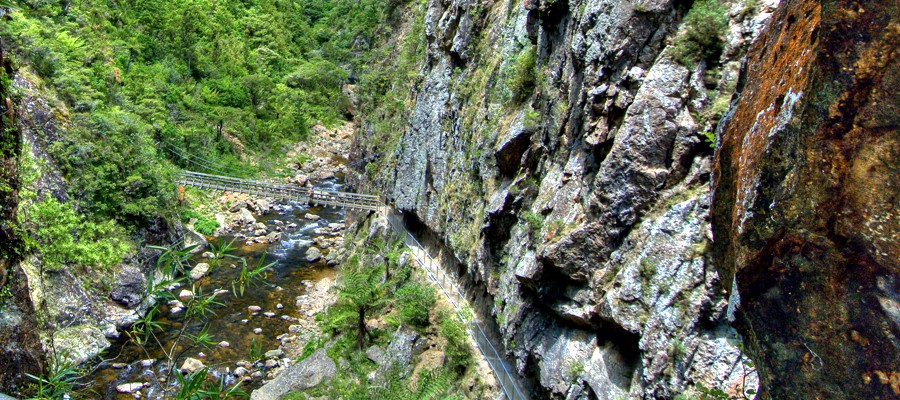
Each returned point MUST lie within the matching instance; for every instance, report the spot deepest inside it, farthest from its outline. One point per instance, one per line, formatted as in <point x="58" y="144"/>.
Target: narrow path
<point x="503" y="370"/>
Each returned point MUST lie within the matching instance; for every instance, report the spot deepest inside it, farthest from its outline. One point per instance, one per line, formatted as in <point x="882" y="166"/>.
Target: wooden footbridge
<point x="280" y="192"/>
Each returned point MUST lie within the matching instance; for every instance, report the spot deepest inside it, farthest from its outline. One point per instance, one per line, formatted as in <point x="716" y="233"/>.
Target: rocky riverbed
<point x="259" y="334"/>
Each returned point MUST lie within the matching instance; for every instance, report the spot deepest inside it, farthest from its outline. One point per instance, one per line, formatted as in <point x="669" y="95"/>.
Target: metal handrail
<point x="280" y="191"/>
<point x="508" y="382"/>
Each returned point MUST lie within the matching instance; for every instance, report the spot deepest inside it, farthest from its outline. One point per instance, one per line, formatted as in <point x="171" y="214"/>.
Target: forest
<point x="231" y="82"/>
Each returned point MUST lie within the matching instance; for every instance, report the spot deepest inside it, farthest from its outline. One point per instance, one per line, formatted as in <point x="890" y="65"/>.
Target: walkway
<point x="503" y="371"/>
<point x="280" y="192"/>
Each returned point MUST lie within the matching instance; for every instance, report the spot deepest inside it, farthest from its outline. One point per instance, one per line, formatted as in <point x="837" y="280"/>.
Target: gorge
<point x="647" y="199"/>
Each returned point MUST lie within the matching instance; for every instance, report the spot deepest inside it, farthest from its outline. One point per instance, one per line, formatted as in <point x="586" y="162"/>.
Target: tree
<point x="361" y="293"/>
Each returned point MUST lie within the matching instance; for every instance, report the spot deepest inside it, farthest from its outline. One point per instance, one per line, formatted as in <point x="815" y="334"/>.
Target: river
<point x="234" y="322"/>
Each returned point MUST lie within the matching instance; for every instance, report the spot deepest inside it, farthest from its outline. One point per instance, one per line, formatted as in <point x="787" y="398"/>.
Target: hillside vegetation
<point x="132" y="83"/>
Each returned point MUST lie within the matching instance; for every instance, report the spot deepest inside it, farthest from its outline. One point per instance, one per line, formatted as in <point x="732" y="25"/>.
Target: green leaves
<point x="62" y="236"/>
<point x="251" y="277"/>
<point x="414" y="302"/>
<point x="703" y="33"/>
<point x="9" y="4"/>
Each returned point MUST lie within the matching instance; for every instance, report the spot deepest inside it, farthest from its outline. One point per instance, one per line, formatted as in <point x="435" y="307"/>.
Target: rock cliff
<point x="806" y="200"/>
<point x="554" y="151"/>
<point x="20" y="348"/>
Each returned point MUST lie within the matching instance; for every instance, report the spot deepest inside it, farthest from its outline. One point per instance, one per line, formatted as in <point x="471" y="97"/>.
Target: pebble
<point x="220" y="292"/>
<point x="148" y="362"/>
<point x="271" y="364"/>
<point x="224" y="344"/>
<point x="244" y="321"/>
<point x="254" y="308"/>
<point x="186" y="294"/>
<point x="118" y="365"/>
<point x="269" y="314"/>
<point x="240" y="371"/>
<point x="191" y="365"/>
<point x="279" y="306"/>
<point x="274" y="353"/>
<point x="257" y="330"/>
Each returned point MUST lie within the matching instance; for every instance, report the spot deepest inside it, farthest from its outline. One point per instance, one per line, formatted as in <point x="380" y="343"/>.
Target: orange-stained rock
<point x="806" y="207"/>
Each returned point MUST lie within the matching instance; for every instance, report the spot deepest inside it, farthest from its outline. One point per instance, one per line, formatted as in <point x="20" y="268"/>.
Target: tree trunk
<point x="361" y="327"/>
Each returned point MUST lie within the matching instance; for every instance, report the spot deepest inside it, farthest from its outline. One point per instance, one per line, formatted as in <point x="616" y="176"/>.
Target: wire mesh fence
<point x="503" y="370"/>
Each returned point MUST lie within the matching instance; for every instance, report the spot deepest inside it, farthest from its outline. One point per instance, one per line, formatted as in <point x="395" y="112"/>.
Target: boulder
<point x="312" y="217"/>
<point x="80" y="343"/>
<point x="130" y="387"/>
<point x="264" y="206"/>
<point x="247" y="217"/>
<point x="199" y="271"/>
<point x="313" y="254"/>
<point x="399" y="353"/>
<point x="306" y="374"/>
<point x="375" y="354"/>
<point x="129" y="287"/>
<point x="238" y="206"/>
<point x="274" y="353"/>
<point x="192" y="238"/>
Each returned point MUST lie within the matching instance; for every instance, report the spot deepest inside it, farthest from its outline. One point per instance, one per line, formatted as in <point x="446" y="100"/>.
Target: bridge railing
<point x="280" y="192"/>
<point x="503" y="370"/>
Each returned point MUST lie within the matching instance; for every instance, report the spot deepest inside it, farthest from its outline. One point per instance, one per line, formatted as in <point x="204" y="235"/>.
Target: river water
<point x="233" y="322"/>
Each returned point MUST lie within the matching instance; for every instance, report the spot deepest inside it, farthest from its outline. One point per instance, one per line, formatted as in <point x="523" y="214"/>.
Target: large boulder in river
<point x="80" y="343"/>
<point x="192" y="238"/>
<point x="129" y="287"/>
<point x="199" y="271"/>
<point x="306" y="374"/>
<point x="247" y="217"/>
<point x="313" y="254"/>
<point x="190" y="365"/>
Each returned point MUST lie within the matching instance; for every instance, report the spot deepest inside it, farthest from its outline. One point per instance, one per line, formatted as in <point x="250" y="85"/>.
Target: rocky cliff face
<point x="806" y="200"/>
<point x="576" y="205"/>
<point x="20" y="349"/>
<point x="78" y="309"/>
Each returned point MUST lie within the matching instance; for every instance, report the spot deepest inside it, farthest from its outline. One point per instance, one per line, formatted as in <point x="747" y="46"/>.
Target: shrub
<point x="414" y="302"/>
<point x="702" y="37"/>
<point x="534" y="220"/>
<point x="206" y="226"/>
<point x="521" y="75"/>
<point x="62" y="236"/>
<point x="186" y="215"/>
<point x="458" y="351"/>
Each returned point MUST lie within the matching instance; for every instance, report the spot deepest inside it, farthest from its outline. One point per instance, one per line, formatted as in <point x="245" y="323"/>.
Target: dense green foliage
<point x="414" y="303"/>
<point x="521" y="74"/>
<point x="64" y="236"/>
<point x="458" y="351"/>
<point x="214" y="80"/>
<point x="703" y="33"/>
<point x="400" y="299"/>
